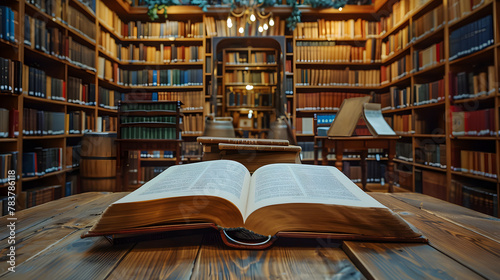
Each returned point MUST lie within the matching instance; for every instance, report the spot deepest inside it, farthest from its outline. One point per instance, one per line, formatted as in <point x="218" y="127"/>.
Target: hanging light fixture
<point x="248" y="12"/>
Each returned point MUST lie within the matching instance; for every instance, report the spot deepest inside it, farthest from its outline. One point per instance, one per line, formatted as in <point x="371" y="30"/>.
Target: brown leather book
<point x="278" y="200"/>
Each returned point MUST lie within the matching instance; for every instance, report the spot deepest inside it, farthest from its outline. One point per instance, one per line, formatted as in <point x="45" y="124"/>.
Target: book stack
<point x="80" y="93"/>
<point x="108" y="98"/>
<point x="482" y="199"/>
<point x="396" y="70"/>
<point x="428" y="57"/>
<point x="404" y="151"/>
<point x="403" y="124"/>
<point x="193" y="124"/>
<point x="106" y="124"/>
<point x="81" y="24"/>
<point x="432" y="155"/>
<point x="332" y="77"/>
<point x="428" y="23"/>
<point x="72" y="156"/>
<point x="395" y="42"/>
<point x="323" y="100"/>
<point x="475" y="162"/>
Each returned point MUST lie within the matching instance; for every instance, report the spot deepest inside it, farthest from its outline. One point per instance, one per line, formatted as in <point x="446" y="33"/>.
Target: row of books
<point x="153" y="106"/>
<point x="431" y="154"/>
<point x="11" y="76"/>
<point x="38" y="122"/>
<point x="255" y="98"/>
<point x="428" y="93"/>
<point x="40" y="195"/>
<point x="108" y="98"/>
<point x="7" y="24"/>
<point x="458" y="9"/>
<point x="428" y="57"/>
<point x="399" y="12"/>
<point x="475" y="162"/>
<point x="37" y="83"/>
<point x="304" y="125"/>
<point x="81" y="23"/>
<point x="146" y="77"/>
<point x="193" y="124"/>
<point x="89" y="3"/>
<point x="156" y="154"/>
<point x="470" y="84"/>
<point x="332" y="77"/>
<point x="323" y="100"/>
<point x="142" y="30"/>
<point x="8" y="163"/>
<point x="147" y="119"/>
<point x="395" y="42"/>
<point x="428" y="23"/>
<point x="152" y="54"/>
<point x="78" y="122"/>
<point x="375" y="172"/>
<point x="9" y="123"/>
<point x="471" y="37"/>
<point x="255" y="58"/>
<point x="159" y="133"/>
<point x="404" y="151"/>
<point x="106" y="124"/>
<point x="396" y="98"/>
<point x="337" y="29"/>
<point x="250" y="77"/>
<point x="402" y="124"/>
<point x="480" y="199"/>
<point x="474" y="123"/>
<point x="79" y="92"/>
<point x="54" y="8"/>
<point x="242" y="26"/>
<point x="307" y="152"/>
<point x="191" y="100"/>
<point x="328" y="51"/>
<point x="42" y="161"/>
<point x="52" y="41"/>
<point x="396" y="70"/>
<point x="138" y="174"/>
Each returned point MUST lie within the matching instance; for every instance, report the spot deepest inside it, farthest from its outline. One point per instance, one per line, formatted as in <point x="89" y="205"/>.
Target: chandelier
<point x="249" y="12"/>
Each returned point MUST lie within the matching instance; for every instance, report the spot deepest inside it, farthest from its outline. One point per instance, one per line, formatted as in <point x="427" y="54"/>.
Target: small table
<point x="359" y="144"/>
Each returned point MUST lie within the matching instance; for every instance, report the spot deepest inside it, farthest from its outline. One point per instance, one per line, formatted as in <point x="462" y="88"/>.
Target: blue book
<point x="11" y="26"/>
<point x="154" y="96"/>
<point x="2" y="24"/>
<point x="169" y="77"/>
<point x="155" y="78"/>
<point x="67" y="189"/>
<point x="6" y="27"/>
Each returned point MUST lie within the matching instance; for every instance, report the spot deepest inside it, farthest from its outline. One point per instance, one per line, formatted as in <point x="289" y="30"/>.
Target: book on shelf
<point x="481" y="199"/>
<point x="8" y="24"/>
<point x="8" y="163"/>
<point x="41" y="123"/>
<point x="472" y="123"/>
<point x="428" y="23"/>
<point x="428" y="57"/>
<point x="428" y="93"/>
<point x="274" y="202"/>
<point x="39" y="195"/>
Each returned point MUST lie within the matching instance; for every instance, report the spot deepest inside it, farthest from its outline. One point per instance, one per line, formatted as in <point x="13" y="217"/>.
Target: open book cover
<point x="292" y="200"/>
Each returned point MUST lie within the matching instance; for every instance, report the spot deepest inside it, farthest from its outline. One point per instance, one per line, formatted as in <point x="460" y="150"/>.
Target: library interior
<point x="103" y="102"/>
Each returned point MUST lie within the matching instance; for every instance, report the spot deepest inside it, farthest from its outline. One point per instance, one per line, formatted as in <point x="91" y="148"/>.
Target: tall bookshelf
<point x="395" y="28"/>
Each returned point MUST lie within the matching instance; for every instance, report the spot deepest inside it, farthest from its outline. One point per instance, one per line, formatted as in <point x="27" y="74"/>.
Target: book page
<point x="222" y="178"/>
<point x="301" y="183"/>
<point x="375" y="119"/>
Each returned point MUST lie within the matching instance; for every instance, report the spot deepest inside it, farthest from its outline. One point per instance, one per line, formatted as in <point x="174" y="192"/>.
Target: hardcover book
<point x="278" y="200"/>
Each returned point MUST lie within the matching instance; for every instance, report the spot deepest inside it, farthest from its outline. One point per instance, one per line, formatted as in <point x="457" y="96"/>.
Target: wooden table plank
<point x="170" y="258"/>
<point x="40" y="236"/>
<point x="35" y="215"/>
<point x="405" y="261"/>
<point x="72" y="258"/>
<point x="481" y="223"/>
<point x="479" y="253"/>
<point x="284" y="260"/>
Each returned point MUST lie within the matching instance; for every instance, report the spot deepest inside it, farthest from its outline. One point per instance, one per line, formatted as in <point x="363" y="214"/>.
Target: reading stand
<point x="360" y="144"/>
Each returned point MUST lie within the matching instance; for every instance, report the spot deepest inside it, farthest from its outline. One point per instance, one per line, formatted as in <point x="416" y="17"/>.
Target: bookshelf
<point x="148" y="140"/>
<point x="404" y="56"/>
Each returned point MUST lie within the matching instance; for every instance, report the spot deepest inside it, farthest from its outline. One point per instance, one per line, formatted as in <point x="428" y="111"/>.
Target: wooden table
<point x="358" y="144"/>
<point x="463" y="244"/>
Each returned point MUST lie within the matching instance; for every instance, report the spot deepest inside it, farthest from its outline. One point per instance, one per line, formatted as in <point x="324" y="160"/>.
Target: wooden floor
<point x="463" y="244"/>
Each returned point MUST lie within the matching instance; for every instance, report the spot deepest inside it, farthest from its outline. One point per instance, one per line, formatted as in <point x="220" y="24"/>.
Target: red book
<point x="14" y="123"/>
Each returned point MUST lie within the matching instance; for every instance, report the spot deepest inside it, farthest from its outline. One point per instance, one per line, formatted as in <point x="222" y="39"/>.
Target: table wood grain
<point x="463" y="244"/>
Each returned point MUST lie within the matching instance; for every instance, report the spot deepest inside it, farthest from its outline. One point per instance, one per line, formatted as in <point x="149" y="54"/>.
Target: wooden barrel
<point x="98" y="162"/>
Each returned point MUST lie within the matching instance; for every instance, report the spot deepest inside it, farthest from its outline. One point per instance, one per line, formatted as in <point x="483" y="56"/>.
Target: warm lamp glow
<point x="266" y="27"/>
<point x="229" y="23"/>
<point x="241" y="30"/>
<point x="261" y="29"/>
<point x="252" y="17"/>
<point x="271" y="22"/>
<point x="249" y="87"/>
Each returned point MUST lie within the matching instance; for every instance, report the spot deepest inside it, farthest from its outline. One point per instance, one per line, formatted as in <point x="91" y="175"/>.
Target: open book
<point x="277" y="200"/>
